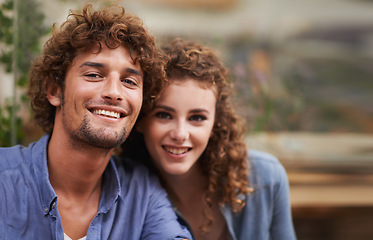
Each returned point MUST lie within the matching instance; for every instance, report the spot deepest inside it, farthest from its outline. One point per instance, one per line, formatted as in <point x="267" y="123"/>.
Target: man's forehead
<point x="97" y="49"/>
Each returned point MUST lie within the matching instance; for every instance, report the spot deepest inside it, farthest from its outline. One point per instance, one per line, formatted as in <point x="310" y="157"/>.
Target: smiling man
<point x="101" y="100"/>
<point x="95" y="75"/>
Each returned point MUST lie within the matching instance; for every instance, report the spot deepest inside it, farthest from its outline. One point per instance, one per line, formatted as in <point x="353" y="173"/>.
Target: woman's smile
<point x="177" y="130"/>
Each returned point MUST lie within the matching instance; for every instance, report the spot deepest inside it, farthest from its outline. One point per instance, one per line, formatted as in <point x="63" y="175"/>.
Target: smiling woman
<point x="194" y="141"/>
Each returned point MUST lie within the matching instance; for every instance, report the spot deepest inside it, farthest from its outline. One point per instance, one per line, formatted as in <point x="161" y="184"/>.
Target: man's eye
<point x="129" y="81"/>
<point x="93" y="76"/>
<point x="163" y="115"/>
<point x="197" y="118"/>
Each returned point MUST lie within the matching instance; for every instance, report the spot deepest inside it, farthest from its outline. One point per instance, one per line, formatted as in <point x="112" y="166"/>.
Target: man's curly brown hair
<point x="81" y="32"/>
<point x="224" y="160"/>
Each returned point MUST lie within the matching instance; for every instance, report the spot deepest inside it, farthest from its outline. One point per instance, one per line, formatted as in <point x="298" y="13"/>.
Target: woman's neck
<point x="188" y="187"/>
<point x="188" y="193"/>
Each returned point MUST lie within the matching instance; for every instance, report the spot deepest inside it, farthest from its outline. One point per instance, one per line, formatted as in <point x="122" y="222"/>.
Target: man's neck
<point x="73" y="171"/>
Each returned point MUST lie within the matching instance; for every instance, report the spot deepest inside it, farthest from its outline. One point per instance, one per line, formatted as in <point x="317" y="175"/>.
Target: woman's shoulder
<point x="260" y="159"/>
<point x="265" y="168"/>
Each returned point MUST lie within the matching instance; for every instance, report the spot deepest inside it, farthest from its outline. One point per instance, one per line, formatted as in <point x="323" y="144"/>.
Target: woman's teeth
<point x="176" y="151"/>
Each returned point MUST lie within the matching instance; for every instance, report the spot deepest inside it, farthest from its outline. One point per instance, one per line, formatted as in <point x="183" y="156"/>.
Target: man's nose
<point x="111" y="90"/>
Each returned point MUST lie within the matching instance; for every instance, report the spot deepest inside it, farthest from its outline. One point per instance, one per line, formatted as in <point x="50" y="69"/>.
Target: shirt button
<point x="53" y="205"/>
<point x="46" y="210"/>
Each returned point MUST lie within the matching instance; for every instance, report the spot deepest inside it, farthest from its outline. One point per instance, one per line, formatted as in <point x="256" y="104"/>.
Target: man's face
<point x="102" y="98"/>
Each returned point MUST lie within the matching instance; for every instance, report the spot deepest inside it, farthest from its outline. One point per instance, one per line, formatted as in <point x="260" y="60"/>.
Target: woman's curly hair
<point x="81" y="32"/>
<point x="224" y="160"/>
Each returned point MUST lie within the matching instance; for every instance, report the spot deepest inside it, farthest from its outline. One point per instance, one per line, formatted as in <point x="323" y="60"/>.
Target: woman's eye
<point x="197" y="118"/>
<point x="163" y="115"/>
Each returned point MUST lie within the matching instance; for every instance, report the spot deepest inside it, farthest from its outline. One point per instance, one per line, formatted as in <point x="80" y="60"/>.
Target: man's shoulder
<point x="132" y="170"/>
<point x="19" y="188"/>
<point x="11" y="157"/>
<point x="133" y="176"/>
<point x="129" y="165"/>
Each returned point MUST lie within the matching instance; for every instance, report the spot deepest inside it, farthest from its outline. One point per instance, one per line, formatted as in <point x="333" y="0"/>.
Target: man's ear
<point x="54" y="94"/>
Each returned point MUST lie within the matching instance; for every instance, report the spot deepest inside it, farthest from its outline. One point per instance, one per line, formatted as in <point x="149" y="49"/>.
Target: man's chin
<point x="106" y="142"/>
<point x="90" y="136"/>
<point x="100" y="138"/>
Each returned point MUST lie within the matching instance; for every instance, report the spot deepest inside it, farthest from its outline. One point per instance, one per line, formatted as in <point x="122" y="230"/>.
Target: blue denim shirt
<point x="132" y="203"/>
<point x="267" y="212"/>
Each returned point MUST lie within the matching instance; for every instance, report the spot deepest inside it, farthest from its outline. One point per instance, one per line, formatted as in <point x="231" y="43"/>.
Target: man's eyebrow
<point x="134" y="71"/>
<point x="101" y="65"/>
<point x="93" y="64"/>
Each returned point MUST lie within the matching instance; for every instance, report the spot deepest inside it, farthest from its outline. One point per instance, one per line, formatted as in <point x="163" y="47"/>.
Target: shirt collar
<point x="40" y="166"/>
<point x="111" y="189"/>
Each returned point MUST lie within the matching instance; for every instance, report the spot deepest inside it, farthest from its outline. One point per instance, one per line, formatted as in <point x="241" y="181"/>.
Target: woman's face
<point x="177" y="130"/>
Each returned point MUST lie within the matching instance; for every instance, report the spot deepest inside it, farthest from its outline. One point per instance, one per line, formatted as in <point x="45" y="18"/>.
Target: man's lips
<point x="176" y="150"/>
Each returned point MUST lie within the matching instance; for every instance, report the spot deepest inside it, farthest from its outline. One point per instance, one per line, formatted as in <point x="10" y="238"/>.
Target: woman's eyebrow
<point x="199" y="110"/>
<point x="196" y="110"/>
<point x="164" y="107"/>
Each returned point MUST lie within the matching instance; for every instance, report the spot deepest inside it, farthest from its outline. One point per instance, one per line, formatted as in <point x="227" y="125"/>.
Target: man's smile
<point x="107" y="113"/>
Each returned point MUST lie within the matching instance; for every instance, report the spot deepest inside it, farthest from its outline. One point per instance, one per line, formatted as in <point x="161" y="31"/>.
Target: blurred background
<point x="303" y="75"/>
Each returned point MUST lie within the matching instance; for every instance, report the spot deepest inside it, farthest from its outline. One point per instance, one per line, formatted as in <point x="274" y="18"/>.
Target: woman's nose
<point x="180" y="133"/>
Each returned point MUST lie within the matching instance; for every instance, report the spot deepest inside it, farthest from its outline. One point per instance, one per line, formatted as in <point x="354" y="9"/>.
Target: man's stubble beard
<point x="87" y="136"/>
<point x="98" y="138"/>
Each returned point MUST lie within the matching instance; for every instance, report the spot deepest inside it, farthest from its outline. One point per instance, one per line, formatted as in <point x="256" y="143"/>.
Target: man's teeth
<point x="176" y="151"/>
<point x="107" y="113"/>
